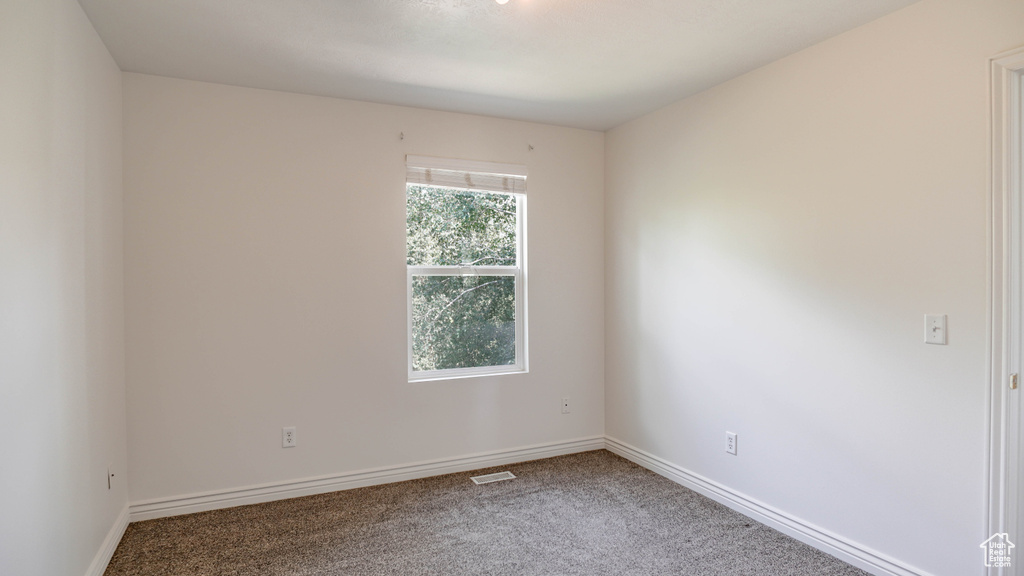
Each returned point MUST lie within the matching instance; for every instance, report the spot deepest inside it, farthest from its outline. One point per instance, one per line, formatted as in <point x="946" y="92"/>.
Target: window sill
<point x="465" y="373"/>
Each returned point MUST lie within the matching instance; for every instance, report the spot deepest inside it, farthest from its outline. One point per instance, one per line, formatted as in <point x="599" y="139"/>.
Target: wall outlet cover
<point x="288" y="439"/>
<point x="730" y="442"/>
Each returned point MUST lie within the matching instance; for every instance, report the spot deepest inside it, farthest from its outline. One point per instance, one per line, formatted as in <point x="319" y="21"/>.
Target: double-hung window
<point x="466" y="262"/>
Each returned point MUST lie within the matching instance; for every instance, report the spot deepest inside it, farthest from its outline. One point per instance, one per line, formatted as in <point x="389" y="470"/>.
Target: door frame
<point x="1006" y="265"/>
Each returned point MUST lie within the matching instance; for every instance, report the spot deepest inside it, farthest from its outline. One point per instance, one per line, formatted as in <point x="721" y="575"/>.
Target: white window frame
<point x="493" y="172"/>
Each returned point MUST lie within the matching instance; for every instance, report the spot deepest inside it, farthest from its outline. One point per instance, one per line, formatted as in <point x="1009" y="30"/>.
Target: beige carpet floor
<point x="588" y="514"/>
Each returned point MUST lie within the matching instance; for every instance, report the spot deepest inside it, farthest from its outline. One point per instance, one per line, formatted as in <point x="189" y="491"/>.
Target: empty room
<point x="511" y="287"/>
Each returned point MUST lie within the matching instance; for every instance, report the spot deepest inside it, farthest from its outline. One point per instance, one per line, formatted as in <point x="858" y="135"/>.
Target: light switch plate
<point x="935" y="328"/>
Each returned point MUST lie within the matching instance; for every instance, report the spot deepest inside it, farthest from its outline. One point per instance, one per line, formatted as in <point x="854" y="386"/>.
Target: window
<point x="465" y="257"/>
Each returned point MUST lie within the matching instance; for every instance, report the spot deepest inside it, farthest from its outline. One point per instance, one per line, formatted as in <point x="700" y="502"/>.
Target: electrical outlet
<point x="730" y="443"/>
<point x="288" y="439"/>
<point x="565" y="405"/>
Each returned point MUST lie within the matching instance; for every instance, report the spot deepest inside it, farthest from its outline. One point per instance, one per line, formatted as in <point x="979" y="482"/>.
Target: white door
<point x="1016" y="430"/>
<point x="1006" y="486"/>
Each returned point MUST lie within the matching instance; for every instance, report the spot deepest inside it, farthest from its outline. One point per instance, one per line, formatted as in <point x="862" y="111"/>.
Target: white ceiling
<point x="584" y="63"/>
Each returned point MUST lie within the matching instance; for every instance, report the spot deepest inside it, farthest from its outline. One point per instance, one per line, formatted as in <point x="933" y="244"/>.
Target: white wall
<point x="62" y="406"/>
<point x="265" y="287"/>
<point x="772" y="246"/>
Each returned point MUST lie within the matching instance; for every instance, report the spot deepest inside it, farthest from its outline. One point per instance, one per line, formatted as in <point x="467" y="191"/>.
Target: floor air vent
<point x="488" y="478"/>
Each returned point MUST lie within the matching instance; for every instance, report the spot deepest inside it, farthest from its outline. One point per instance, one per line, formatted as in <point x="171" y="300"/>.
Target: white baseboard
<point x="106" y="551"/>
<point x="846" y="550"/>
<point x="187" y="504"/>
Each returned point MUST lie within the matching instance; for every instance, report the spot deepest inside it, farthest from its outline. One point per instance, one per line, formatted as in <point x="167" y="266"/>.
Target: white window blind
<point x="465" y="174"/>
